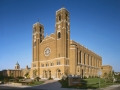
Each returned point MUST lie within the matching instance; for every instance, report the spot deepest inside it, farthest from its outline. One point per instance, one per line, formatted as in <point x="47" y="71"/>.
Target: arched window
<point x="66" y="16"/>
<point x="59" y="36"/>
<point x="40" y="29"/>
<point x="59" y="17"/>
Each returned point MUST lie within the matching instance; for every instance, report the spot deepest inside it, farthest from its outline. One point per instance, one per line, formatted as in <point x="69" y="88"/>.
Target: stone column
<point x="81" y="57"/>
<point x="95" y="62"/>
<point x="78" y="57"/>
<point x="91" y="61"/>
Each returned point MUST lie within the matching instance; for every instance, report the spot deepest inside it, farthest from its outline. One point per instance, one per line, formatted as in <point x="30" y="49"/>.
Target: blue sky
<point x="93" y="23"/>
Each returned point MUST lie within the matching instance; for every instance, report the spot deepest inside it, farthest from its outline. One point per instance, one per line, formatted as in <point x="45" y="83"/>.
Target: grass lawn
<point x="36" y="83"/>
<point x="90" y="83"/>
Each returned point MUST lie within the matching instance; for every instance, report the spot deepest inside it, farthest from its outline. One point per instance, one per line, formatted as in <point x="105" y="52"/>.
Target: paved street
<point x="118" y="88"/>
<point x="51" y="85"/>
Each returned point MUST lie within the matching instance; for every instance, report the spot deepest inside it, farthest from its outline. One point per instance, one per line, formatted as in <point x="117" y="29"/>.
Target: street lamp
<point x="99" y="73"/>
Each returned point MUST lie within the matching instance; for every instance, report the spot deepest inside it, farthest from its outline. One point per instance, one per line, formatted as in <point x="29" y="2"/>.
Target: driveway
<point x="49" y="85"/>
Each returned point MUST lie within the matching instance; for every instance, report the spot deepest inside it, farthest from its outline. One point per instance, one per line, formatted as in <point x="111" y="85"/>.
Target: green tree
<point x="105" y="77"/>
<point x="110" y="77"/>
<point x="11" y="74"/>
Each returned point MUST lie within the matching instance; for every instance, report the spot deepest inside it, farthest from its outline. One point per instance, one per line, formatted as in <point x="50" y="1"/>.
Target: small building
<point x="106" y="69"/>
<point x="1" y="73"/>
<point x="17" y="72"/>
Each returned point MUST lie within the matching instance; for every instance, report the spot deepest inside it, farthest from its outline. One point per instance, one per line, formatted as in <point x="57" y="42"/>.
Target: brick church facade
<point x="55" y="55"/>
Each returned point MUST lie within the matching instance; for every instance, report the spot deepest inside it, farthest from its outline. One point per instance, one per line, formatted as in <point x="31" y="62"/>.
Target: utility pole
<point x="99" y="81"/>
<point x="99" y="73"/>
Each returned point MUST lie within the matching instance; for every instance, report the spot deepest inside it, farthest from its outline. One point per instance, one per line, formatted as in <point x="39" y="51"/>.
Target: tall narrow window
<point x="77" y="55"/>
<point x="59" y="36"/>
<point x="66" y="17"/>
<point x="88" y="59"/>
<point x="59" y="17"/>
<point x="40" y="29"/>
<point x="91" y="60"/>
<point x="80" y="56"/>
<point x="84" y="58"/>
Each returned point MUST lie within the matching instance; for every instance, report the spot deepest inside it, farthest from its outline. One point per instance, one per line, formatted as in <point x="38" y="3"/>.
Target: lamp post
<point x="99" y="73"/>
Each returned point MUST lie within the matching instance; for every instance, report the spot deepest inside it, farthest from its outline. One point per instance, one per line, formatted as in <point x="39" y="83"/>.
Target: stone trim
<point x="50" y="60"/>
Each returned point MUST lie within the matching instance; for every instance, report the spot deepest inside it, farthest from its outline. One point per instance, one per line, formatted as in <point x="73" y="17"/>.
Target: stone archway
<point x="49" y="74"/>
<point x="58" y="73"/>
<point x="44" y="74"/>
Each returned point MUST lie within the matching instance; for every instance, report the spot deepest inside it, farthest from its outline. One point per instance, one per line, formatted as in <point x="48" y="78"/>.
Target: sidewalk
<point x="112" y="87"/>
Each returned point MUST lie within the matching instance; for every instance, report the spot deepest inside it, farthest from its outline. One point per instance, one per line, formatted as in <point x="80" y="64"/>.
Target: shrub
<point x="50" y="78"/>
<point x="20" y="77"/>
<point x="32" y="82"/>
<point x="89" y="76"/>
<point x="37" y="79"/>
<point x="16" y="80"/>
<point x="85" y="77"/>
<point x="6" y="80"/>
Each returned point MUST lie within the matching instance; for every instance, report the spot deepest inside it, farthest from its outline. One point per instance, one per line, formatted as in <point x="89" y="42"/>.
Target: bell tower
<point x="38" y="36"/>
<point x="62" y="33"/>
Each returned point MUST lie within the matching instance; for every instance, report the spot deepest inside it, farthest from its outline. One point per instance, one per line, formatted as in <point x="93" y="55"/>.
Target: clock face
<point x="47" y="51"/>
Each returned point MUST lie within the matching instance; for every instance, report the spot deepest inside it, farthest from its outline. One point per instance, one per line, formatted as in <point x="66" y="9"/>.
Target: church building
<point x="56" y="55"/>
